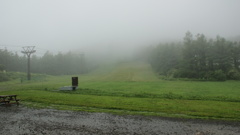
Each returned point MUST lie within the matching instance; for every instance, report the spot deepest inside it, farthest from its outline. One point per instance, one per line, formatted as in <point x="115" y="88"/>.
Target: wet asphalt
<point x="17" y="120"/>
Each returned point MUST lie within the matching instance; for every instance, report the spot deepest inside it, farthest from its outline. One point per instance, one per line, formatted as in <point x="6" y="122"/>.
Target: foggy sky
<point x="63" y="25"/>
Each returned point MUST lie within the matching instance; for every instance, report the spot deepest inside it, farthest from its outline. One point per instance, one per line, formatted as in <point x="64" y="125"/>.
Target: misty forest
<point x="197" y="57"/>
<point x="60" y="64"/>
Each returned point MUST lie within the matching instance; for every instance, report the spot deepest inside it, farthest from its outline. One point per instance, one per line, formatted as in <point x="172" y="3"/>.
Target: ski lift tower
<point x="28" y="50"/>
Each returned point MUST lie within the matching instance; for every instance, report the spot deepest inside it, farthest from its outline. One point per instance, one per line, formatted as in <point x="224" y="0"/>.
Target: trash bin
<point x="74" y="82"/>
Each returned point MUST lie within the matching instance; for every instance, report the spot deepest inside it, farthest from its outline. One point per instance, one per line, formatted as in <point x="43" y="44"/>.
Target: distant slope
<point x="126" y="71"/>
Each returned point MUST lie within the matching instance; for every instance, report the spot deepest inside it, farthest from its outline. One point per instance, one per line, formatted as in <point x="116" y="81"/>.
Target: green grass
<point x="131" y="88"/>
<point x="228" y="91"/>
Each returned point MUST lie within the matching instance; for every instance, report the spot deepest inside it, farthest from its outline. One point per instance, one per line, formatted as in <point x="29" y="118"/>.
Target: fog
<point x="111" y="26"/>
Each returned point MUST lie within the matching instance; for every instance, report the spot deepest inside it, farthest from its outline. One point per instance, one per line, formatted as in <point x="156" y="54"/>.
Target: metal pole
<point x="28" y="50"/>
<point x="29" y="74"/>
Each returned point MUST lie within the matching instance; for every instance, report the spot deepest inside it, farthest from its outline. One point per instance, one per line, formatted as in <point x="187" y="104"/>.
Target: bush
<point x="7" y="76"/>
<point x="233" y="75"/>
<point x="4" y="77"/>
<point x="184" y="74"/>
<point x="218" y="75"/>
<point x="171" y="73"/>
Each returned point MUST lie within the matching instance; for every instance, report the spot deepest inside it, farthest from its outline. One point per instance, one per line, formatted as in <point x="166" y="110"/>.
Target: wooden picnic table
<point x="9" y="99"/>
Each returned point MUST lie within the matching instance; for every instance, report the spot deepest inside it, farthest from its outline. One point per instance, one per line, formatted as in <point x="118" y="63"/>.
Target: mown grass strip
<point x="193" y="108"/>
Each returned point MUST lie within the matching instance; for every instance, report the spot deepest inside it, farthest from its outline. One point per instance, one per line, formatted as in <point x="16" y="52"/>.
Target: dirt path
<point x="24" y="121"/>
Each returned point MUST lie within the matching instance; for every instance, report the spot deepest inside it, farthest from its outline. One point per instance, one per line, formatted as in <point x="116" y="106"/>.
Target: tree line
<point x="59" y="64"/>
<point x="197" y="57"/>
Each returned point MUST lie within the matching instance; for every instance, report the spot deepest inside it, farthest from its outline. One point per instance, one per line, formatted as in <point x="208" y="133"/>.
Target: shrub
<point x="233" y="75"/>
<point x="4" y="77"/>
<point x="185" y="74"/>
<point x="219" y="75"/>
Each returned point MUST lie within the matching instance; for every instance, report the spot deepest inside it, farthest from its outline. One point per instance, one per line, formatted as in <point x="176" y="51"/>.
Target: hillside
<point x="125" y="71"/>
<point x="131" y="88"/>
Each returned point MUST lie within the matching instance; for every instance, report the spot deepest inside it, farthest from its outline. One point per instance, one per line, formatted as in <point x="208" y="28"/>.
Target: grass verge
<point x="132" y="105"/>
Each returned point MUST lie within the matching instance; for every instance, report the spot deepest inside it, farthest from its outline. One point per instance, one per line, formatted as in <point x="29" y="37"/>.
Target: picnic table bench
<point x="9" y="99"/>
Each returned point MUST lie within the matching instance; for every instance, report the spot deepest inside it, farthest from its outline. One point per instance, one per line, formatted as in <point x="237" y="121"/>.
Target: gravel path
<point x="24" y="121"/>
